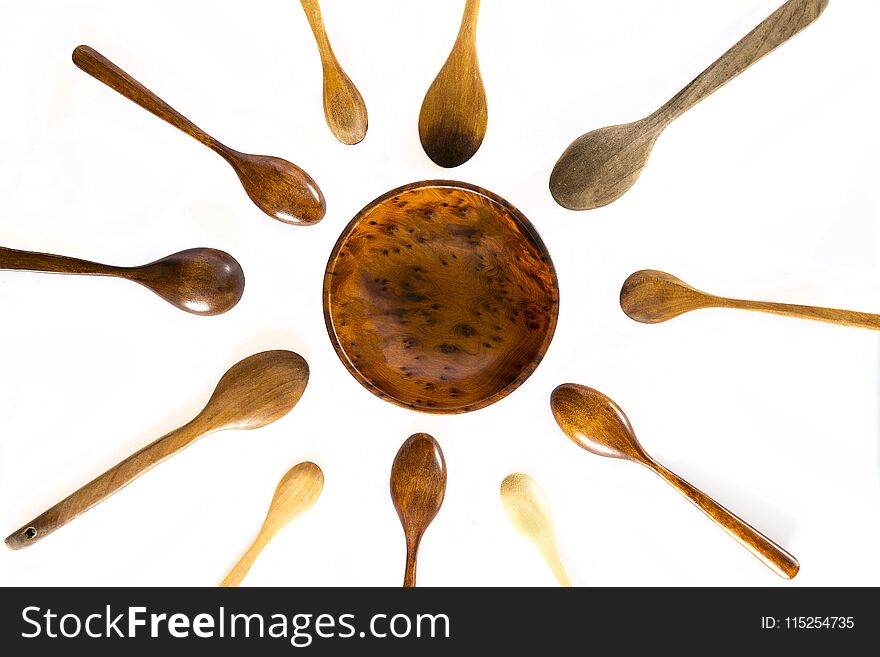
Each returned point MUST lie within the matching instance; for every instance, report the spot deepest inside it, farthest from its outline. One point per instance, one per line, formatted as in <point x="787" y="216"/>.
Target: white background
<point x="768" y="189"/>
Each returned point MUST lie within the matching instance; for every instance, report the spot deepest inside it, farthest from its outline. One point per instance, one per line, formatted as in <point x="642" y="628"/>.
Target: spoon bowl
<point x="600" y="166"/>
<point x="597" y="424"/>
<point x="296" y="493"/>
<point x="418" y="486"/>
<point x="529" y="512"/>
<point x="253" y="393"/>
<point x="650" y="297"/>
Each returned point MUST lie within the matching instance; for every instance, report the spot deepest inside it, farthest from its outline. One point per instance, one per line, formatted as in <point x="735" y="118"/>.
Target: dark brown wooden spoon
<point x="199" y="281"/>
<point x="600" y="166"/>
<point x="598" y="425"/>
<point x="454" y="115"/>
<point x="418" y="485"/>
<point x="279" y="188"/>
<point x="651" y="297"/>
<point x="253" y="393"/>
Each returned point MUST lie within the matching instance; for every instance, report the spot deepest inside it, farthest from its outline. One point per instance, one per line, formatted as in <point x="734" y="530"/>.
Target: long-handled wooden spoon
<point x="199" y="281"/>
<point x="651" y="297"/>
<point x="600" y="166"/>
<point x="253" y="393"/>
<point x="453" y="118"/>
<point x="418" y="485"/>
<point x="296" y="493"/>
<point x="344" y="107"/>
<point x="598" y="425"/>
<point x="279" y="188"/>
<point x="529" y="512"/>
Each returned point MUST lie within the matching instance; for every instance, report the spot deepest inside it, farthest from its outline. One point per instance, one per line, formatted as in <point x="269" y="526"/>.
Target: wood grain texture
<point x="253" y="393"/>
<point x="278" y="187"/>
<point x="418" y="486"/>
<point x="454" y="114"/>
<point x="296" y="493"/>
<point x="344" y="107"/>
<point x="597" y="424"/>
<point x="199" y="281"/>
<point x="651" y="297"/>
<point x="441" y="297"/>
<point x="600" y="166"/>
<point x="529" y="512"/>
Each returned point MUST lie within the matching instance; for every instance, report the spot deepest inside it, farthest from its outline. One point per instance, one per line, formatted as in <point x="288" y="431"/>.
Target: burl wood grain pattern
<point x="598" y="425"/>
<point x="278" y="187"/>
<point x="600" y="166"/>
<point x="529" y="512"/>
<point x="344" y="107"/>
<point x="651" y="297"/>
<point x="253" y="393"/>
<point x="418" y="486"/>
<point x="296" y="493"/>
<point x="441" y="297"/>
<point x="199" y="281"/>
<point x="454" y="114"/>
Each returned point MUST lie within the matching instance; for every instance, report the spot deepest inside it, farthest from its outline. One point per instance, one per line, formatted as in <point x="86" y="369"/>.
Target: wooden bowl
<point x="441" y="297"/>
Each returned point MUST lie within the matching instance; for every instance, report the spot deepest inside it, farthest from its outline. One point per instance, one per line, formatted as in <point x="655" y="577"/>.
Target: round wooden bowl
<point x="441" y="297"/>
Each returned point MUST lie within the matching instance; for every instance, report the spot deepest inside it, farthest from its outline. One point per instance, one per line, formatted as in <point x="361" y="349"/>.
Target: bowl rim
<point x="528" y="230"/>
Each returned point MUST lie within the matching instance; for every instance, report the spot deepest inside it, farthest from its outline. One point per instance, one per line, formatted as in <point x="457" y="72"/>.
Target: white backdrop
<point x="768" y="189"/>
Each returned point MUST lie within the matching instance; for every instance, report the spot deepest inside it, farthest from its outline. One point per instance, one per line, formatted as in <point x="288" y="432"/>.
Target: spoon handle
<point x="468" y="29"/>
<point x="779" y="27"/>
<point x="238" y="572"/>
<point x="830" y="315"/>
<point x="316" y="22"/>
<point x="409" y="575"/>
<point x="101" y="68"/>
<point x="103" y="486"/>
<point x="551" y="556"/>
<point x="772" y="555"/>
<point x="46" y="262"/>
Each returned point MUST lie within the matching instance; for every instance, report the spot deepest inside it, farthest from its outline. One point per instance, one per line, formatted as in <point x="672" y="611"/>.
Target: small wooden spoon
<point x="598" y="425"/>
<point x="296" y="493"/>
<point x="453" y="118"/>
<point x="199" y="281"/>
<point x="279" y="188"/>
<point x="344" y="107"/>
<point x="529" y="512"/>
<point x="651" y="297"/>
<point x="253" y="393"/>
<point x="418" y="485"/>
<point x="600" y="166"/>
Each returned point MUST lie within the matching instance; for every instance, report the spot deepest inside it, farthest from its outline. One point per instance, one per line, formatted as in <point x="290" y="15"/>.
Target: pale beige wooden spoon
<point x="651" y="297"/>
<point x="600" y="166"/>
<point x="529" y="512"/>
<point x="344" y="107"/>
<point x="297" y="492"/>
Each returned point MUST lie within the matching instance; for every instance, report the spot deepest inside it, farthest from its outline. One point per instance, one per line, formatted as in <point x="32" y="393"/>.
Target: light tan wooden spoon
<point x="253" y="393"/>
<point x="454" y="115"/>
<point x="344" y="107"/>
<point x="296" y="493"/>
<point x="651" y="297"/>
<point x="529" y="512"/>
<point x="597" y="424"/>
<point x="600" y="166"/>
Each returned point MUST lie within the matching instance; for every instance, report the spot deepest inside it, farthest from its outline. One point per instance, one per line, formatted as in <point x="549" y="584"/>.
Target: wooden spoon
<point x="453" y="118"/>
<point x="652" y="297"/>
<point x="529" y="512"/>
<point x="418" y="485"/>
<point x="280" y="189"/>
<point x="344" y="108"/>
<point x="296" y="493"/>
<point x="598" y="425"/>
<point x="253" y="393"/>
<point x="600" y="166"/>
<point x="199" y="281"/>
